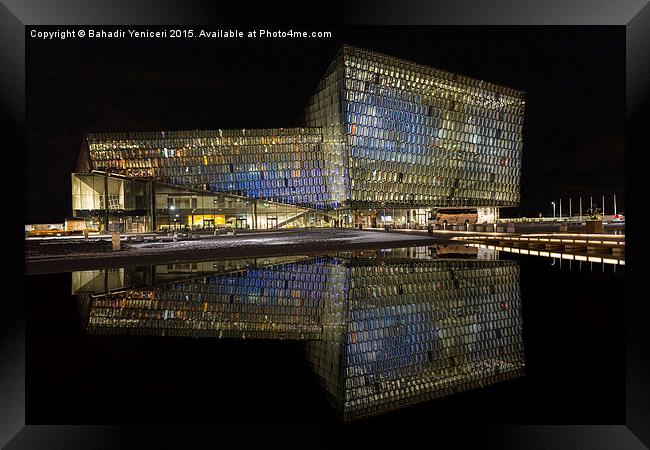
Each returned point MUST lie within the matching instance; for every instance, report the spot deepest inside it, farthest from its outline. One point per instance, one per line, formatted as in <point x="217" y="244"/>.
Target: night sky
<point x="574" y="79"/>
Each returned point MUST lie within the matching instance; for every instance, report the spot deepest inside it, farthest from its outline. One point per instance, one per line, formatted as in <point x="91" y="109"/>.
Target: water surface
<point x="441" y="333"/>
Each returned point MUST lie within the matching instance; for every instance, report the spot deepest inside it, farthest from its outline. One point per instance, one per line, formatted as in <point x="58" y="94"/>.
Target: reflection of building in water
<point x="385" y="329"/>
<point x="412" y="331"/>
<point x="100" y="281"/>
<point x="278" y="301"/>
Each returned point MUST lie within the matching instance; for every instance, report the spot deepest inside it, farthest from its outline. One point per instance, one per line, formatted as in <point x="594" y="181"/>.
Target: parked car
<point x="618" y="218"/>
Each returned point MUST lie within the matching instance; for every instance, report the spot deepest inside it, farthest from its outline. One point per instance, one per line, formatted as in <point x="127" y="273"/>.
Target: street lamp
<point x="553" y="203"/>
<point x="580" y="208"/>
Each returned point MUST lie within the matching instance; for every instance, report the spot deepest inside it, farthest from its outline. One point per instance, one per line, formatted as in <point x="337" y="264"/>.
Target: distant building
<point x="383" y="141"/>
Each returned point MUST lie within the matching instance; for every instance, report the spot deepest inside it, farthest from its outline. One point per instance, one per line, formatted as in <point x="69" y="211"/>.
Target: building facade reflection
<point x="412" y="331"/>
<point x="383" y="330"/>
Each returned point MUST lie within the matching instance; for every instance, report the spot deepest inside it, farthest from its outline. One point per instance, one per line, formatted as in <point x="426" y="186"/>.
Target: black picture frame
<point x="634" y="15"/>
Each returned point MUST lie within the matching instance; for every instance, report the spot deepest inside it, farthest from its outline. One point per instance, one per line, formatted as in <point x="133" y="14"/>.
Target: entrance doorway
<point x="271" y="222"/>
<point x="241" y="224"/>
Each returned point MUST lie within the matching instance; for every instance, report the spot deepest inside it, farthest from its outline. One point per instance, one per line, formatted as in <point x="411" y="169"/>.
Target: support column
<point x="106" y="203"/>
<point x="255" y="214"/>
<point x="152" y="202"/>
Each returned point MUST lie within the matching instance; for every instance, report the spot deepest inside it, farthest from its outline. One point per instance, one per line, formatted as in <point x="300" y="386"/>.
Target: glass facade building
<point x="286" y="165"/>
<point x="112" y="202"/>
<point x="379" y="133"/>
<point x="411" y="135"/>
<point x="382" y="330"/>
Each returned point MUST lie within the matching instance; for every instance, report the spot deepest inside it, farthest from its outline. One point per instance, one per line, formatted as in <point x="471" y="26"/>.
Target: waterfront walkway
<point x="602" y="248"/>
<point x="61" y="256"/>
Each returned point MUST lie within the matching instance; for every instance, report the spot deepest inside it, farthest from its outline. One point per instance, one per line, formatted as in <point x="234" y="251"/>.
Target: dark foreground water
<point x="415" y="335"/>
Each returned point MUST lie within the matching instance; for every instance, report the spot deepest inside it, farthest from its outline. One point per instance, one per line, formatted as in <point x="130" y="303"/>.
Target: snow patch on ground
<point x="314" y="238"/>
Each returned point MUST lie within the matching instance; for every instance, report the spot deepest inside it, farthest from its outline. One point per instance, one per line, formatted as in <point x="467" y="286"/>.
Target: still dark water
<point x="369" y="337"/>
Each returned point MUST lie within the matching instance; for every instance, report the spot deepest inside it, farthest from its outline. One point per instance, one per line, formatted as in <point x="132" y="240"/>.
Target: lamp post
<point x="614" y="204"/>
<point x="603" y="207"/>
<point x="569" y="207"/>
<point x="580" y="199"/>
<point x="560" y="208"/>
<point x="553" y="203"/>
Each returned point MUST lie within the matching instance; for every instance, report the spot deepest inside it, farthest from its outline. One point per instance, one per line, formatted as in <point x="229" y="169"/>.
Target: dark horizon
<point x="573" y="78"/>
